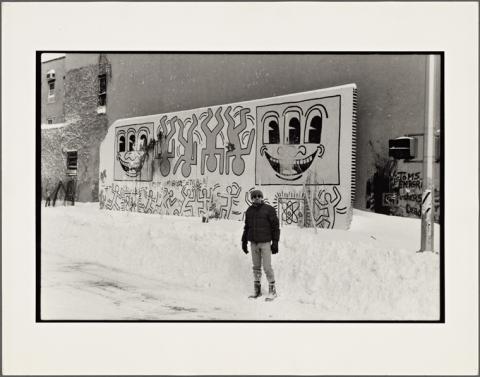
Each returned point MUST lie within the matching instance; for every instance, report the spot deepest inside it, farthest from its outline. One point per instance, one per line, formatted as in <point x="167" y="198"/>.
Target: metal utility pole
<point x="429" y="157"/>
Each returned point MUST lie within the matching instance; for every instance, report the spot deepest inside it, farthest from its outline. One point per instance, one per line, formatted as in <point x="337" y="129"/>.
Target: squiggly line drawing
<point x="189" y="156"/>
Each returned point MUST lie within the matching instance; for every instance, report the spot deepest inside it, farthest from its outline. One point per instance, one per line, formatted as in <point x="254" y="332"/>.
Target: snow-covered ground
<point x="105" y="265"/>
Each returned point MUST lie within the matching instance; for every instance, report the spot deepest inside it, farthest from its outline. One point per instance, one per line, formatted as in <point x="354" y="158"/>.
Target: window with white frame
<point x="72" y="159"/>
<point x="51" y="89"/>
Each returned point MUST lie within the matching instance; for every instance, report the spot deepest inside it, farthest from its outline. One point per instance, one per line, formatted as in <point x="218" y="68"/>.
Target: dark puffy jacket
<point x="261" y="224"/>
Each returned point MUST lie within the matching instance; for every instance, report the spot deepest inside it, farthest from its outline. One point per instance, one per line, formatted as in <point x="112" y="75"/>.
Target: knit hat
<point x="256" y="193"/>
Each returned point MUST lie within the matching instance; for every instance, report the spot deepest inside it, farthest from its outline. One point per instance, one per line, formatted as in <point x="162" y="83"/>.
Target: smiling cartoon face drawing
<point x="131" y="152"/>
<point x="296" y="139"/>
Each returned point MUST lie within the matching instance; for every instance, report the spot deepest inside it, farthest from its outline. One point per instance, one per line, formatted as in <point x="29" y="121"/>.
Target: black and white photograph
<point x="233" y="188"/>
<point x="240" y="186"/>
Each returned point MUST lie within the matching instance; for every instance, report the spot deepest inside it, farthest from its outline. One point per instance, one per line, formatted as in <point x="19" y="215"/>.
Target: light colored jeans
<point x="262" y="252"/>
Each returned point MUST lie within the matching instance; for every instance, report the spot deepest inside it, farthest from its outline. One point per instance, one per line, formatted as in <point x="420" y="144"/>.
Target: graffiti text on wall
<point x="403" y="197"/>
<point x="402" y="179"/>
<point x="191" y="198"/>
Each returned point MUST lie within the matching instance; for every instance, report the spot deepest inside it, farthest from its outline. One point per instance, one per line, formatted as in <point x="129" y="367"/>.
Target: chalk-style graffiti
<point x="189" y="201"/>
<point x="206" y="199"/>
<point x="113" y="199"/>
<point x="131" y="152"/>
<point x="297" y="137"/>
<point x="233" y="134"/>
<point x="189" y="155"/>
<point x="291" y="211"/>
<point x="325" y="208"/>
<point x="291" y="208"/>
<point x="146" y="201"/>
<point x="210" y="151"/>
<point x="230" y="199"/>
<point x="168" y="201"/>
<point x="192" y="198"/>
<point x="166" y="148"/>
<point x="213" y="158"/>
<point x="203" y="161"/>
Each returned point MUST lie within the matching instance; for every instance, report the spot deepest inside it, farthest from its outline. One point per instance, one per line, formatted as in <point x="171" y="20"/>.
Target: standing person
<point x="261" y="229"/>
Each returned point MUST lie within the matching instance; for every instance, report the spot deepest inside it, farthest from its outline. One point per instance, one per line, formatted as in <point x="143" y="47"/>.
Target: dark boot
<point x="272" y="292"/>
<point x="257" y="290"/>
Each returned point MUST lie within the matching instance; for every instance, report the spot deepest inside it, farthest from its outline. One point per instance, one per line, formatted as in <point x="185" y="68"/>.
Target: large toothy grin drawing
<point x="132" y="162"/>
<point x="291" y="168"/>
<point x="291" y="141"/>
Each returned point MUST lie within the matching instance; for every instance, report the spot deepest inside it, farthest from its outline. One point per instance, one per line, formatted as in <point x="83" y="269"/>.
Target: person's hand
<point x="274" y="247"/>
<point x="244" y="247"/>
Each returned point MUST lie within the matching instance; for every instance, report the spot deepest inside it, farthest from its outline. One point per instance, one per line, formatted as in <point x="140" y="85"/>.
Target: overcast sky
<point x="47" y="57"/>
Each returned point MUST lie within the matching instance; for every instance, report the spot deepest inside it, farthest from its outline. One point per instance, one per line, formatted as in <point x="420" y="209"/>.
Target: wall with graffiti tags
<point x="398" y="189"/>
<point x="299" y="149"/>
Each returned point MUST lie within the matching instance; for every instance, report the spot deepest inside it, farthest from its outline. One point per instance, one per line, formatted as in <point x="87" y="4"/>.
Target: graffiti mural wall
<point x="299" y="149"/>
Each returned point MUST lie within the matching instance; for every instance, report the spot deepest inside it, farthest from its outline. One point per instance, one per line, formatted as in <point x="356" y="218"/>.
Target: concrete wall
<point x="391" y="90"/>
<point x="299" y="149"/>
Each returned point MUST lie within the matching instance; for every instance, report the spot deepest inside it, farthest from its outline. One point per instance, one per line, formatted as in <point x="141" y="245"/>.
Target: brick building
<point x="73" y="124"/>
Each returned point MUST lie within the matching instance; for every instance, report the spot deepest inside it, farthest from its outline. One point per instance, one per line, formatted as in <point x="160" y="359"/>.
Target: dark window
<point x="72" y="160"/>
<point x="315" y="130"/>
<point x="102" y="100"/>
<point x="294" y="131"/>
<point x="121" y="144"/>
<point x="103" y="83"/>
<point x="102" y="90"/>
<point x="131" y="143"/>
<point x="51" y="88"/>
<point x="49" y="121"/>
<point x="273" y="132"/>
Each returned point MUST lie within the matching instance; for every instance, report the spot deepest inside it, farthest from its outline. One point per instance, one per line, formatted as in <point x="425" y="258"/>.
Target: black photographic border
<point x="38" y="193"/>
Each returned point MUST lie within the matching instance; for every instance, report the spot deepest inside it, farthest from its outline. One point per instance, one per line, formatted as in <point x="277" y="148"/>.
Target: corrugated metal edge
<point x="354" y="145"/>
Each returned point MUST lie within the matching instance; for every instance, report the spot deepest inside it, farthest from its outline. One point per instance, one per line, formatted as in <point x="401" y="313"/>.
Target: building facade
<point x="70" y="144"/>
<point x="391" y="103"/>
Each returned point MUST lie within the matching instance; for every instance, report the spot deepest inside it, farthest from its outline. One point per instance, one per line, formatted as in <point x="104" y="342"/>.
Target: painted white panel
<point x="298" y="149"/>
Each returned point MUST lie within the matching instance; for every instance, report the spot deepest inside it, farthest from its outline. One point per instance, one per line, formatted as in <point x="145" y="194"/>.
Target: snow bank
<point x="371" y="272"/>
